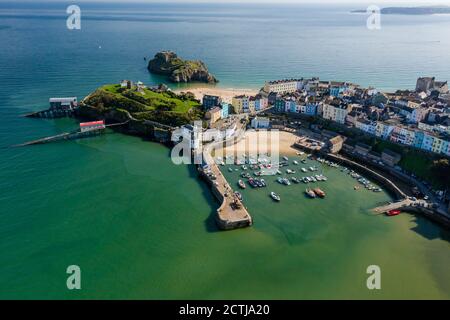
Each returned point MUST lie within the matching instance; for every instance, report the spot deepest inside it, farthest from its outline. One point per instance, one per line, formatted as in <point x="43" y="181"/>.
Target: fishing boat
<point x="241" y="184"/>
<point x="392" y="213"/>
<point x="238" y="195"/>
<point x="295" y="162"/>
<point x="275" y="197"/>
<point x="252" y="183"/>
<point x="295" y="180"/>
<point x="310" y="193"/>
<point x="319" y="193"/>
<point x="263" y="183"/>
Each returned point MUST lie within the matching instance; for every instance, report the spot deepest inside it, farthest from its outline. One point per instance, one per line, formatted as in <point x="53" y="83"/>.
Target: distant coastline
<point x="411" y="10"/>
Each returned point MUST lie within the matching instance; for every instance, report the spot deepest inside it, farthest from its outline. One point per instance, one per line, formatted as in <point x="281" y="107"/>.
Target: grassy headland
<point x="165" y="107"/>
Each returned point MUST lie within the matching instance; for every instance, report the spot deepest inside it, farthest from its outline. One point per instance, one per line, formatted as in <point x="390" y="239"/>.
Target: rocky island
<point x="178" y="70"/>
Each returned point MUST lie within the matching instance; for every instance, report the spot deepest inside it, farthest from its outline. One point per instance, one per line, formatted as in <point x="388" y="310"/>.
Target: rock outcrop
<point x="178" y="70"/>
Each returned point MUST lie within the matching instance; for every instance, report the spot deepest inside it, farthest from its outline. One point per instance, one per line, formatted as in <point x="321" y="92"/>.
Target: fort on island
<point x="399" y="139"/>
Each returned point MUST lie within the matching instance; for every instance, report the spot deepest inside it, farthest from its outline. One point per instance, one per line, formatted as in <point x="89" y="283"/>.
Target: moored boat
<point x="238" y="195"/>
<point x="392" y="213"/>
<point x="275" y="197"/>
<point x="263" y="183"/>
<point x="319" y="193"/>
<point x="241" y="184"/>
<point x="310" y="193"/>
<point x="252" y="183"/>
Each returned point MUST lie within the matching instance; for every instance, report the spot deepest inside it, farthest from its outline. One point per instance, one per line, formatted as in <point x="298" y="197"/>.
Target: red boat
<point x="393" y="213"/>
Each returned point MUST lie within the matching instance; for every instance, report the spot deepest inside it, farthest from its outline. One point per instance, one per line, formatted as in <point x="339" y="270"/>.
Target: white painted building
<point x="283" y="86"/>
<point x="260" y="123"/>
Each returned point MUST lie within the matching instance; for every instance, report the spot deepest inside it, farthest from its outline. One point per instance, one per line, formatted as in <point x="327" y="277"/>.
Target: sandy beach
<point x="262" y="142"/>
<point x="226" y="93"/>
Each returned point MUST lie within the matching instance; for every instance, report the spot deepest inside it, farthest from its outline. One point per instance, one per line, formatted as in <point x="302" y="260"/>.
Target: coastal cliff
<point x="178" y="70"/>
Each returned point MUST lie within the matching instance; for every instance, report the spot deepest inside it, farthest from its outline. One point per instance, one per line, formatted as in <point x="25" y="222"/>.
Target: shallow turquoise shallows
<point x="141" y="227"/>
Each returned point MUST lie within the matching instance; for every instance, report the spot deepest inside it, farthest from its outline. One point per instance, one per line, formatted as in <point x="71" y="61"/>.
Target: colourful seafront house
<point x="334" y="91"/>
<point x="311" y="109"/>
<point x="241" y="103"/>
<point x="418" y="139"/>
<point x="210" y="101"/>
<point x="213" y="115"/>
<point x="336" y="113"/>
<point x="280" y="105"/>
<point x="261" y="102"/>
<point x="260" y="123"/>
<point x="283" y="86"/>
<point x="225" y="110"/>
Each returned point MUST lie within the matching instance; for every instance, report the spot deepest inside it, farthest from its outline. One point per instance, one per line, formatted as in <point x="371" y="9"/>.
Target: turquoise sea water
<point x="141" y="227"/>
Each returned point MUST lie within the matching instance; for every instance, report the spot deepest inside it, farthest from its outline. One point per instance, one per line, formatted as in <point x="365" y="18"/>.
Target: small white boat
<point x="304" y="170"/>
<point x="310" y="193"/>
<point x="295" y="162"/>
<point x="285" y="158"/>
<point x="275" y="197"/>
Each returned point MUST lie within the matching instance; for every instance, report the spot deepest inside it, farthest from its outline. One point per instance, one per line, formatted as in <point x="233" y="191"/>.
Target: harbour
<point x="123" y="220"/>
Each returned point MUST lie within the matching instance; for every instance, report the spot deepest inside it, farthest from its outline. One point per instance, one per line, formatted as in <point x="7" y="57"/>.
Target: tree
<point x="441" y="171"/>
